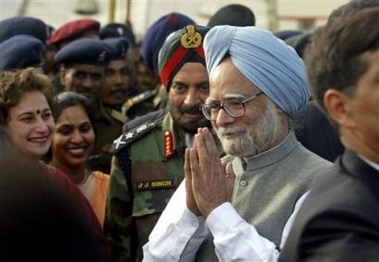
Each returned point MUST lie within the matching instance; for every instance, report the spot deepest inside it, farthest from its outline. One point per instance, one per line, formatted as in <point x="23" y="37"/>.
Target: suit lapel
<point x="359" y="169"/>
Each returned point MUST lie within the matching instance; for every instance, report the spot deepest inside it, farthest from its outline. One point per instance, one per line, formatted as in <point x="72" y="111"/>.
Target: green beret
<point x="182" y="46"/>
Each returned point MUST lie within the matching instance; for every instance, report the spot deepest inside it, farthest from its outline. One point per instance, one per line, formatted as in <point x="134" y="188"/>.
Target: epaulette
<point x="132" y="136"/>
<point x="136" y="132"/>
<point x="137" y="99"/>
<point x="152" y="116"/>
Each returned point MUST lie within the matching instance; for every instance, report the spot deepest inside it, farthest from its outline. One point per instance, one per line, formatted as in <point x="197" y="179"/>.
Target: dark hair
<point x="334" y="59"/>
<point x="14" y="83"/>
<point x="69" y="99"/>
<point x="233" y="14"/>
<point x="351" y="7"/>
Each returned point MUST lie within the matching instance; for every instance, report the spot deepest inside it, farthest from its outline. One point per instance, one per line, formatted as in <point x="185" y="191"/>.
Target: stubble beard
<point x="248" y="144"/>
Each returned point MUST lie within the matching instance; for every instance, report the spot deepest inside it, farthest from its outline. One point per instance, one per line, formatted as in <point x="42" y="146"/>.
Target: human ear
<point x="338" y="106"/>
<point x="62" y="76"/>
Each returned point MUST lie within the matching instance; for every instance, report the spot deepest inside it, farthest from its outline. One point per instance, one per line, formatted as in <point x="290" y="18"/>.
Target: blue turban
<point x="268" y="62"/>
<point x="157" y="33"/>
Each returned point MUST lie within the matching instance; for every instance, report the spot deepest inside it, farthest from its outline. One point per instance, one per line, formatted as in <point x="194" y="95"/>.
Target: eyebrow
<point x="69" y="124"/>
<point x="32" y="112"/>
<point x="227" y="97"/>
<point x="187" y="84"/>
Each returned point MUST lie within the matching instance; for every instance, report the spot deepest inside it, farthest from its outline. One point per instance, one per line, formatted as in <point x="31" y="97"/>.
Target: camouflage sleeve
<point x="118" y="221"/>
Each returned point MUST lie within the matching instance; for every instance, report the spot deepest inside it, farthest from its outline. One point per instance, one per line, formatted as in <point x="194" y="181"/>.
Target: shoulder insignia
<point x="131" y="136"/>
<point x="154" y="116"/>
<point x="138" y="99"/>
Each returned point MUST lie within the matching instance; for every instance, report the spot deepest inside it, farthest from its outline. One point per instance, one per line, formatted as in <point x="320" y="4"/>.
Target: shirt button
<point x="243" y="183"/>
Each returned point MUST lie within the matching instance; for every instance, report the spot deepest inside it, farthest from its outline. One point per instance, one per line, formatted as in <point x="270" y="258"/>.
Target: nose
<point x="192" y="98"/>
<point x="118" y="78"/>
<point x="87" y="82"/>
<point x="76" y="137"/>
<point x="41" y="125"/>
<point x="223" y="118"/>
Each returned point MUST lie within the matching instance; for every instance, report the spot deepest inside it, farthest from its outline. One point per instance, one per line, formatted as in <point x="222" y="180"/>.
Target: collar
<point x="101" y="113"/>
<point x="358" y="166"/>
<point x="369" y="162"/>
<point x="173" y="145"/>
<point x="271" y="156"/>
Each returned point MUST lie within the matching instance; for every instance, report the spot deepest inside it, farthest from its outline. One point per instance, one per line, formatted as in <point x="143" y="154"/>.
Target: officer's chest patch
<point x="156" y="184"/>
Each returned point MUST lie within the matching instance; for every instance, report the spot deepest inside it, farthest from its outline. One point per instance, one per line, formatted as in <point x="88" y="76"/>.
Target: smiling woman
<point x="73" y="142"/>
<point x="25" y="113"/>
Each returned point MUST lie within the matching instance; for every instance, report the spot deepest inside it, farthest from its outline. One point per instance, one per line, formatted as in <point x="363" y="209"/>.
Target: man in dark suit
<point x="339" y="220"/>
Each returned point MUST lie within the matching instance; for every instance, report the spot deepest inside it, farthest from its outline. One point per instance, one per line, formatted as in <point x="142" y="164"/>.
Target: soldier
<point x="68" y="32"/>
<point x="152" y="42"/>
<point x="121" y="94"/>
<point x="83" y="63"/>
<point x="148" y="162"/>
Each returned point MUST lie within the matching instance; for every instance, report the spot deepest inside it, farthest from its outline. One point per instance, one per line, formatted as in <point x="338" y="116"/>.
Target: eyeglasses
<point x="233" y="108"/>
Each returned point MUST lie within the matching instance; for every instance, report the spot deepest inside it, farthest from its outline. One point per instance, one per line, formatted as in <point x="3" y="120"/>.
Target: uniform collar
<point x="173" y="144"/>
<point x="101" y="113"/>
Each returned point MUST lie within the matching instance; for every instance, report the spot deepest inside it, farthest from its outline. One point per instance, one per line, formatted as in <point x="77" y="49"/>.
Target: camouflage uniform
<point x="146" y="170"/>
<point x="148" y="163"/>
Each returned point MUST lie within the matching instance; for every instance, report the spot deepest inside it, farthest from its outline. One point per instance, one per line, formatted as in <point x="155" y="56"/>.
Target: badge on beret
<point x="120" y="31"/>
<point x="191" y="38"/>
<point x="101" y="56"/>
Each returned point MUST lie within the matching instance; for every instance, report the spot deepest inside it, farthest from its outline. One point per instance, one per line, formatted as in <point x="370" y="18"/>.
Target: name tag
<point x="156" y="184"/>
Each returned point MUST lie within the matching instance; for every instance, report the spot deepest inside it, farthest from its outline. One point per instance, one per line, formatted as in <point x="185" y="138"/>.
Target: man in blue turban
<point x="239" y="208"/>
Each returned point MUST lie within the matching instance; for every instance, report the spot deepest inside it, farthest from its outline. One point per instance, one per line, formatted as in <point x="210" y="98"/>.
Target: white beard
<point x="250" y="144"/>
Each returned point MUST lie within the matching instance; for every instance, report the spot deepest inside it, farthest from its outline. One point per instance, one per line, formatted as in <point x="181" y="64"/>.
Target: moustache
<point x="192" y="111"/>
<point x="117" y="90"/>
<point x="86" y="91"/>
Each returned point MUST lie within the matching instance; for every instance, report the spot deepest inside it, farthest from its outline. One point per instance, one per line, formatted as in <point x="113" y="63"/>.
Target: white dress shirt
<point x="179" y="233"/>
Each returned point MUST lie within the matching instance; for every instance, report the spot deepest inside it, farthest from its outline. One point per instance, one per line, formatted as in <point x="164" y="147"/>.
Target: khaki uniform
<point x="108" y="126"/>
<point x="146" y="170"/>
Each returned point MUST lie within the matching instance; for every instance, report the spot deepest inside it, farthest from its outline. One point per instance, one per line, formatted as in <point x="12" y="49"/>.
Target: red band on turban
<point x="177" y="58"/>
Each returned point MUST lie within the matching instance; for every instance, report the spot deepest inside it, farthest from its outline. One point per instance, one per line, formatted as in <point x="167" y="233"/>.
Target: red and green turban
<point x="183" y="46"/>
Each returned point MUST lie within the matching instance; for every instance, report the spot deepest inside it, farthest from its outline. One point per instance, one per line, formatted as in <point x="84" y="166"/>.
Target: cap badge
<point x="191" y="38"/>
<point x="101" y="56"/>
<point x="120" y="31"/>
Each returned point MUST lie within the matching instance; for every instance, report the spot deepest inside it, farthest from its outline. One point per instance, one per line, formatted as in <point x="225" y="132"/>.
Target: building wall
<point x="291" y="13"/>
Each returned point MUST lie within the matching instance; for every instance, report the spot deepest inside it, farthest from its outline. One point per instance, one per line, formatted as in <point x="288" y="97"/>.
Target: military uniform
<point x="145" y="101"/>
<point x="108" y="126"/>
<point x="108" y="123"/>
<point x="146" y="170"/>
<point x="149" y="159"/>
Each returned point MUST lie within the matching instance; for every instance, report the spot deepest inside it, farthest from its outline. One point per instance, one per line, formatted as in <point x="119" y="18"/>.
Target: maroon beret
<point x="74" y="29"/>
